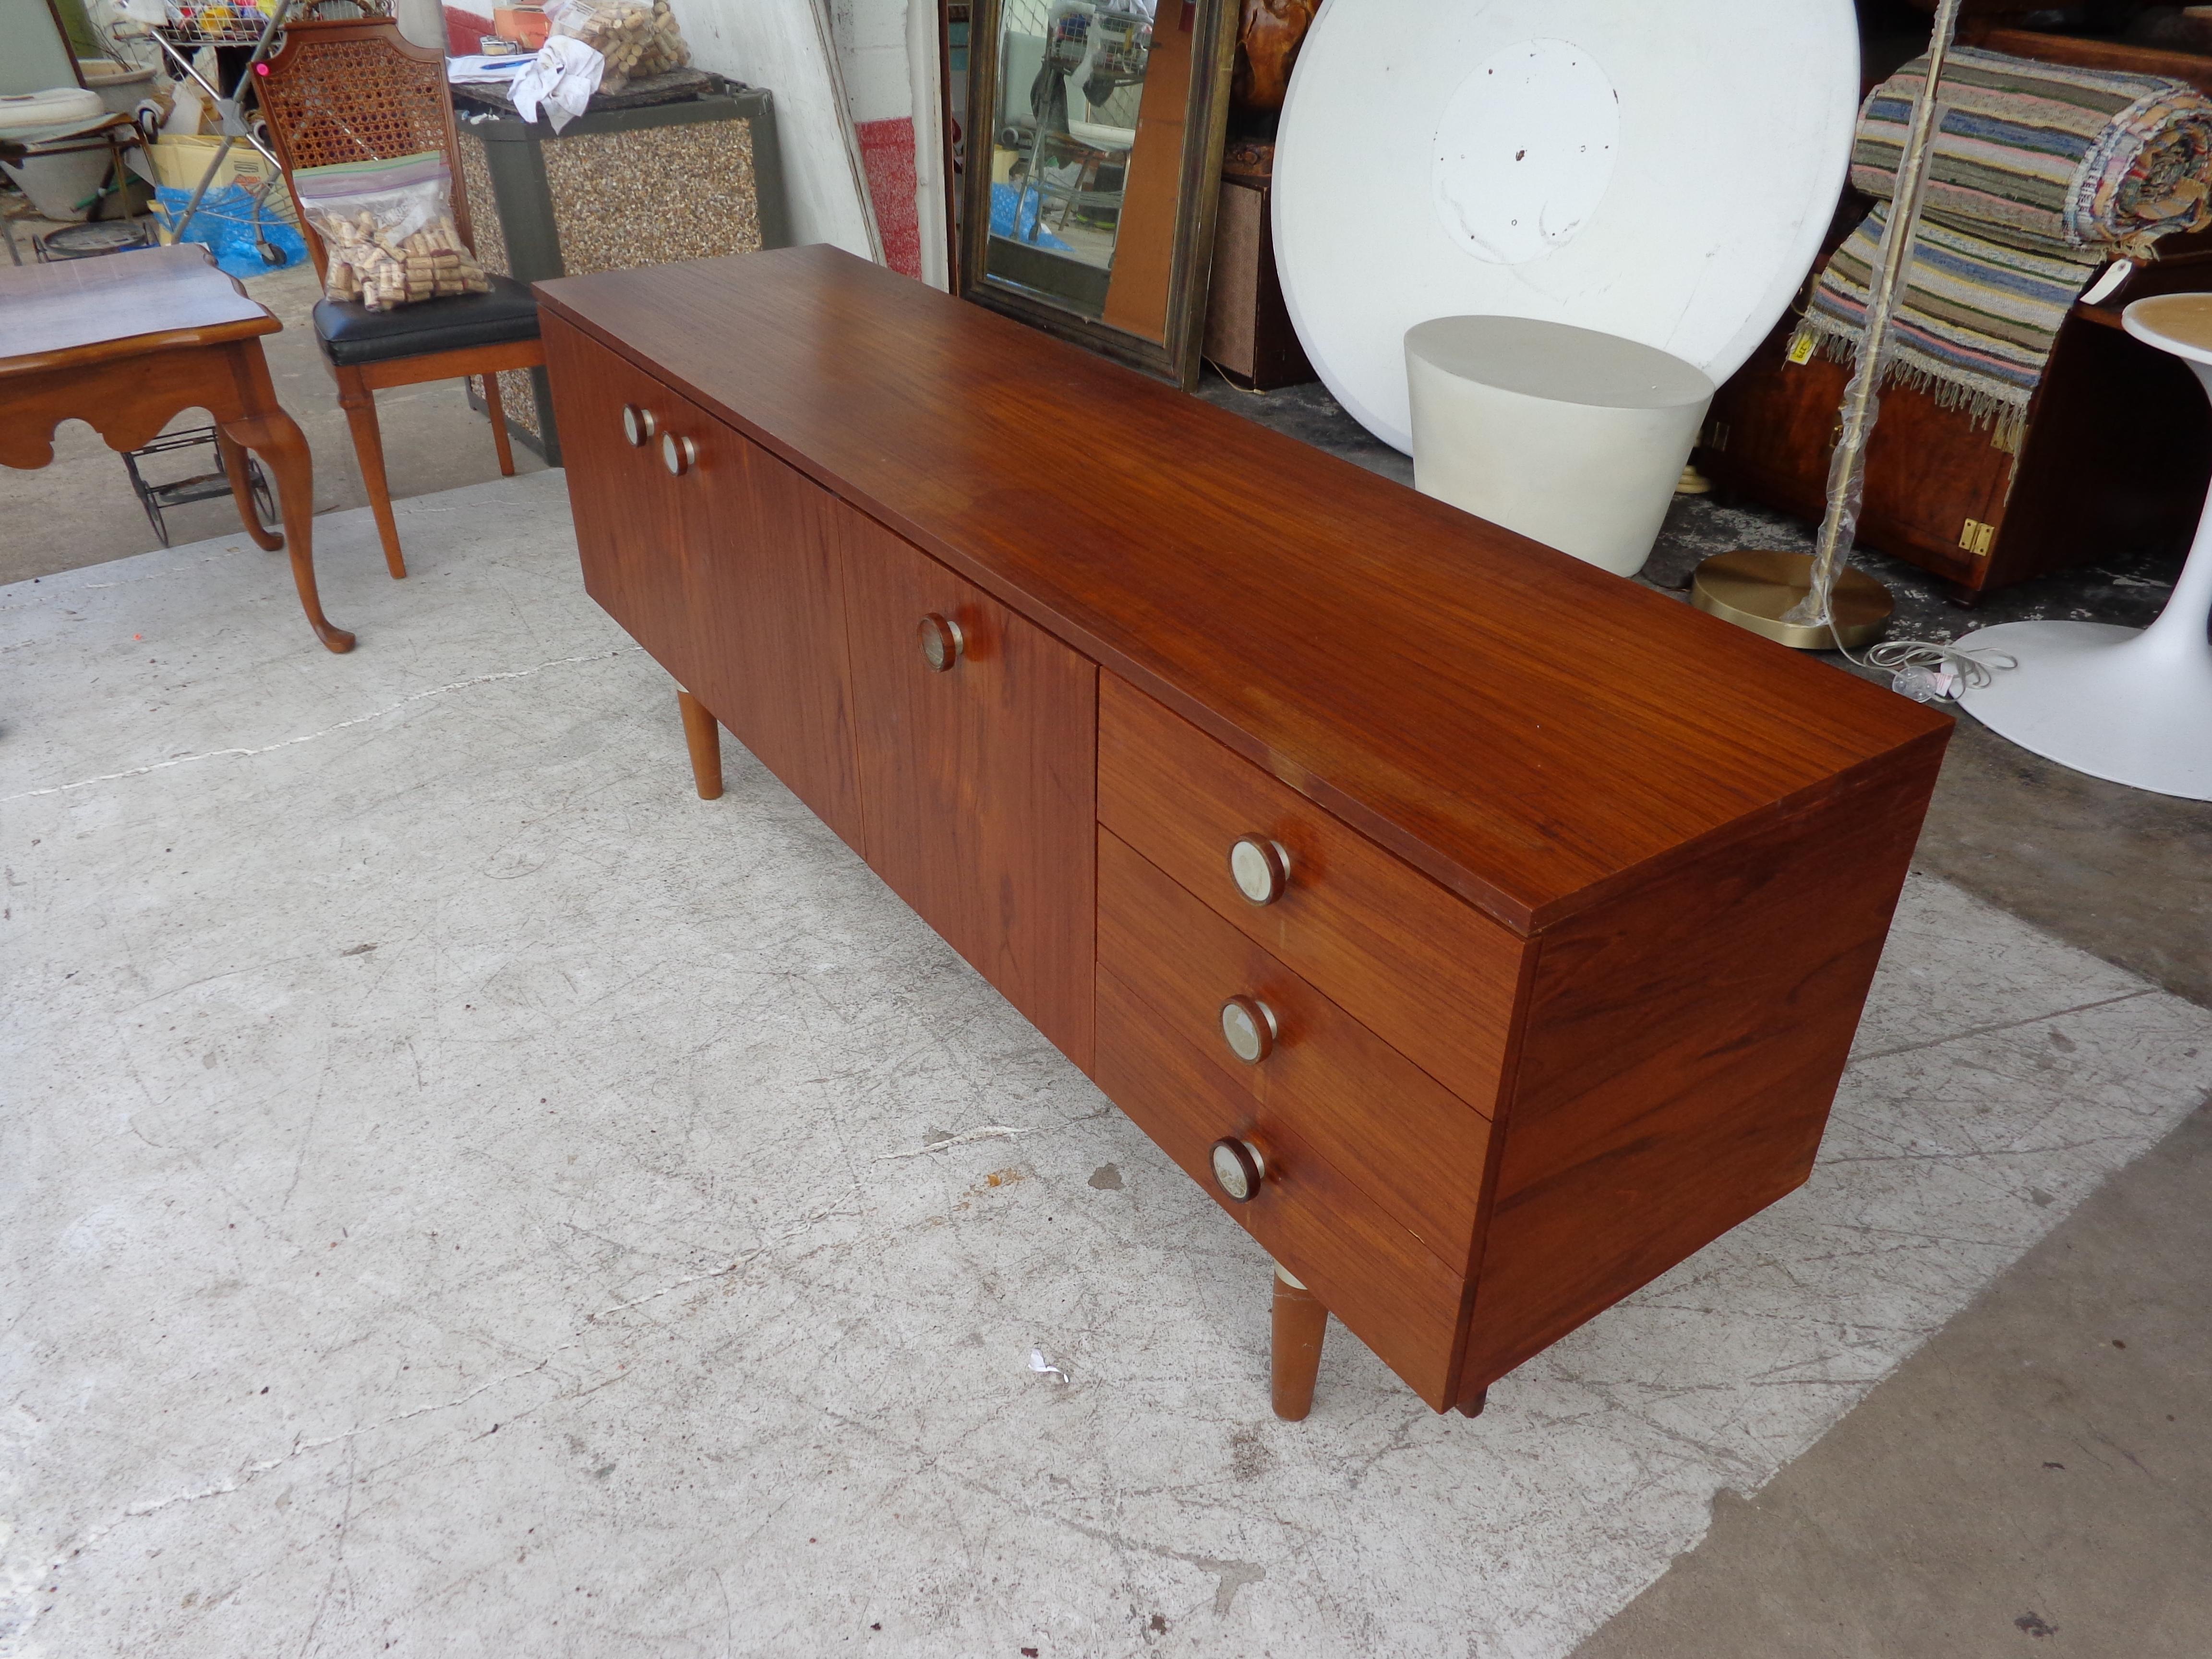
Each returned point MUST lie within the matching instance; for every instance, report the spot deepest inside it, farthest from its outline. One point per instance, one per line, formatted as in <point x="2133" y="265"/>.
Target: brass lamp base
<point x="1755" y="588"/>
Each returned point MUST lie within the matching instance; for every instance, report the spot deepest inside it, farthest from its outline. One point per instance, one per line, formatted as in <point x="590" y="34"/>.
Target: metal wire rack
<point x="239" y="25"/>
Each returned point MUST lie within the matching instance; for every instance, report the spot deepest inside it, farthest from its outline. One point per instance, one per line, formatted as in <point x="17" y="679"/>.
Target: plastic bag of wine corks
<point x="387" y="231"/>
<point x="636" y="37"/>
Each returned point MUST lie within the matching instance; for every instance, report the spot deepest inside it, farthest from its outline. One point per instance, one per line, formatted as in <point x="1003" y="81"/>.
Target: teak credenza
<point x="1485" y="933"/>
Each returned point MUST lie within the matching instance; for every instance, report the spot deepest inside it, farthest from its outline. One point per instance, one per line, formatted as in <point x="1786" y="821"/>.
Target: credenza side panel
<point x="1680" y="1047"/>
<point x="771" y="613"/>
<point x="978" y="784"/>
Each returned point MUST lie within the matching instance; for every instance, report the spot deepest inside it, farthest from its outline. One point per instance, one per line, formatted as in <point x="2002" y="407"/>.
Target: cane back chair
<point x="357" y="91"/>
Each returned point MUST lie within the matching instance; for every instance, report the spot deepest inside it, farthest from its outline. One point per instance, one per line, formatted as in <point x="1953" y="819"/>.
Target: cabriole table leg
<point x="1301" y="1323"/>
<point x="277" y="438"/>
<point x="242" y="492"/>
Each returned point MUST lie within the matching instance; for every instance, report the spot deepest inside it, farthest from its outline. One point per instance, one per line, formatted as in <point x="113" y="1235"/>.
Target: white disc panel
<point x="1525" y="152"/>
<point x="1660" y="173"/>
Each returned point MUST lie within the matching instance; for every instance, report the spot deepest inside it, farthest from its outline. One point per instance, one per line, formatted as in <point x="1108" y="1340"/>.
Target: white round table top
<point x="2179" y="323"/>
<point x="1662" y="174"/>
<point x="1558" y="362"/>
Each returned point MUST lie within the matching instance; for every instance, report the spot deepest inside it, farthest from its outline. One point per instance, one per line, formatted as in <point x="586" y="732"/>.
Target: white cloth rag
<point x="562" y="77"/>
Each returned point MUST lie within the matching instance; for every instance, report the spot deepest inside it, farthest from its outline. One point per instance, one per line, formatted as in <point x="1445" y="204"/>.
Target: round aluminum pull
<point x="942" y="642"/>
<point x="1239" y="1167"/>
<point x="640" y="425"/>
<point x="1249" y="1025"/>
<point x="678" y="454"/>
<point x="1260" y="867"/>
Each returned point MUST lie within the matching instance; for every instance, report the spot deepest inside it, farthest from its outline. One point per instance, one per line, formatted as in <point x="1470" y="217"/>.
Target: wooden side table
<point x="125" y="344"/>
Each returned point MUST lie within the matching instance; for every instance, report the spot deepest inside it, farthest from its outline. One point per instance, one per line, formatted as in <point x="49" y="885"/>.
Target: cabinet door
<point x="768" y="604"/>
<point x="978" y="783"/>
<point x="636" y="523"/>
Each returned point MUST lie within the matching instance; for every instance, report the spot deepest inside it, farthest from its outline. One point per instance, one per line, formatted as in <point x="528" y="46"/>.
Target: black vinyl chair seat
<point x="353" y="334"/>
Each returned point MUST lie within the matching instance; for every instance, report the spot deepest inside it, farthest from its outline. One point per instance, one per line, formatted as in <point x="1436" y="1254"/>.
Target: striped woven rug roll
<point x="2048" y="156"/>
<point x="2040" y="174"/>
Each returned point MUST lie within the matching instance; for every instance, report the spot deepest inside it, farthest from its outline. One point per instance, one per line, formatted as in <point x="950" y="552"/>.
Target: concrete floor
<point x="462" y="1193"/>
<point x="313" y="992"/>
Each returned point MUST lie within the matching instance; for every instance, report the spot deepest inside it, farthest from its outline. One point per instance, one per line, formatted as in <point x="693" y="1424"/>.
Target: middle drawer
<point x="1411" y="1144"/>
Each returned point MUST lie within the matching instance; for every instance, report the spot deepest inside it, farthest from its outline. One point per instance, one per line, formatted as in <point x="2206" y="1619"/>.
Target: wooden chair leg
<point x="497" y="411"/>
<point x="1301" y="1323"/>
<point x="704" y="735"/>
<point x="359" y="405"/>
<point x="241" y="493"/>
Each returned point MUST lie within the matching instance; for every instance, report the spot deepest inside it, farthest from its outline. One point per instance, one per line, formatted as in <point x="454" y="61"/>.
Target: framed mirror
<point x="1094" y="158"/>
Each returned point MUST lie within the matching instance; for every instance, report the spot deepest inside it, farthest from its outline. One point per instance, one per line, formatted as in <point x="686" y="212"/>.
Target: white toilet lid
<point x="1659" y="172"/>
<point x="60" y="112"/>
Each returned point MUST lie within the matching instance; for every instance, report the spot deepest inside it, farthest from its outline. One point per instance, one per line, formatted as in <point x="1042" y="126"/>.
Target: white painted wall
<point x="925" y="76"/>
<point x="786" y="46"/>
<point x="872" y="44"/>
<point x="423" y="22"/>
<point x="888" y="50"/>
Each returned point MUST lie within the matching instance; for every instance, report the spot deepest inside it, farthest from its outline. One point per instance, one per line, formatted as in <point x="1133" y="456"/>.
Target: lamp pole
<point x="1819" y="602"/>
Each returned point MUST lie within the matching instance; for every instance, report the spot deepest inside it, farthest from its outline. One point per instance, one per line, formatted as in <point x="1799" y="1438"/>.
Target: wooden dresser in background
<point x="2119" y="444"/>
<point x="1508" y="921"/>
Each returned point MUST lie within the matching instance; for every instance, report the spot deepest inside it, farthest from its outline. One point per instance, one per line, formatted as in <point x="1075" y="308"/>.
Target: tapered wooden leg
<point x="497" y="411"/>
<point x="241" y="491"/>
<point x="1301" y="1323"/>
<point x="359" y="405"/>
<point x="1472" y="1405"/>
<point x="277" y="438"/>
<point x="704" y="735"/>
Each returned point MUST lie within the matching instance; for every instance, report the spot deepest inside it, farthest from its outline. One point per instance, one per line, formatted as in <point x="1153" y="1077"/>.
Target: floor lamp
<point x="1817" y="602"/>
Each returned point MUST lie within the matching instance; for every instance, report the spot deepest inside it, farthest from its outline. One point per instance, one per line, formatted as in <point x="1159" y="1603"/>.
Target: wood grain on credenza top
<point x="1526" y="728"/>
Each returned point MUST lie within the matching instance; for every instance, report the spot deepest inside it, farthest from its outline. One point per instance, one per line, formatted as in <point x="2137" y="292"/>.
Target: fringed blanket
<point x="2041" y="173"/>
<point x="1977" y="324"/>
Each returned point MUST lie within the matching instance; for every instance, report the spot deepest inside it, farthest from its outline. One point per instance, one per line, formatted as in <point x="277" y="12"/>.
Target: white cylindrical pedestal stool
<point x="2132" y="705"/>
<point x="1574" y="438"/>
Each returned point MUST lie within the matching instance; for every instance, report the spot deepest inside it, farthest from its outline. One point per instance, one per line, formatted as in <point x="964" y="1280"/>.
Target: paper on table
<point x="481" y="70"/>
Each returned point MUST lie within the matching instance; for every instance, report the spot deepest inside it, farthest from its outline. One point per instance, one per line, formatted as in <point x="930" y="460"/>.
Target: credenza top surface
<point x="1530" y="730"/>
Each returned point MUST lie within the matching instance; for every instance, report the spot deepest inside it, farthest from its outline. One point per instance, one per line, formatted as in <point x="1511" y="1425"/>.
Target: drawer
<point x="1413" y="1148"/>
<point x="1416" y="964"/>
<point x="1372" y="1274"/>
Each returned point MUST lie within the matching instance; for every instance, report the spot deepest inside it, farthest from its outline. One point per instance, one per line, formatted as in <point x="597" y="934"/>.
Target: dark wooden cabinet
<point x="1567" y="897"/>
<point x="2118" y="446"/>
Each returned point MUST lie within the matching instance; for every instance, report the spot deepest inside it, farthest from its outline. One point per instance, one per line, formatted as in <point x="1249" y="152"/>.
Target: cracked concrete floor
<point x="461" y="1194"/>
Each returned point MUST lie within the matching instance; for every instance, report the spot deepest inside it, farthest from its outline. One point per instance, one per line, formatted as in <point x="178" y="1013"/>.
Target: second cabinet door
<point x="979" y="778"/>
<point x="769" y="611"/>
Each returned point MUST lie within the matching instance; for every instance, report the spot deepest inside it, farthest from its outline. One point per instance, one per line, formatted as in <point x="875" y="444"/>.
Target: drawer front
<point x="1428" y="973"/>
<point x="1416" y="1149"/>
<point x="1390" y="1293"/>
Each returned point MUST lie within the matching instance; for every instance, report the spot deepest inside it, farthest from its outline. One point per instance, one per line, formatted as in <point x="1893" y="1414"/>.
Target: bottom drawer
<point x="1373" y="1275"/>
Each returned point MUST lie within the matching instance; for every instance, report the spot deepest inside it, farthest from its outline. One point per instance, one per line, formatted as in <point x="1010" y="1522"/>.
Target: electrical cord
<point x="1928" y="672"/>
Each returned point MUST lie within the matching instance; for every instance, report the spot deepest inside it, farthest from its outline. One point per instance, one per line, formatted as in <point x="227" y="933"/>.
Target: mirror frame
<point x="1175" y="359"/>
